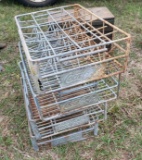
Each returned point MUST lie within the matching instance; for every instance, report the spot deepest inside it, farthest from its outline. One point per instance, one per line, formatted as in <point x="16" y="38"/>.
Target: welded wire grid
<point x="63" y="44"/>
<point x="54" y="104"/>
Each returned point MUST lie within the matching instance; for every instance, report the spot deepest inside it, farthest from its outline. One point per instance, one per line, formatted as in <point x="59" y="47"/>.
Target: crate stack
<point x="70" y="70"/>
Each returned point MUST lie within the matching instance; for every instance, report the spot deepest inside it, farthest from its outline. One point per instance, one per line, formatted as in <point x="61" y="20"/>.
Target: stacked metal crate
<point x="69" y="72"/>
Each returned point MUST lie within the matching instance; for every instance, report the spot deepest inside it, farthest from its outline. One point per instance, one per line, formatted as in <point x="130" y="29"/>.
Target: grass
<point x="120" y="137"/>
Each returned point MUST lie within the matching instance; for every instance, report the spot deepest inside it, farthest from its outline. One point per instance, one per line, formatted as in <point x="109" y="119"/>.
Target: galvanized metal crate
<point x="80" y="135"/>
<point x="54" y="104"/>
<point x="63" y="49"/>
<point x="71" y="128"/>
<point x="65" y="124"/>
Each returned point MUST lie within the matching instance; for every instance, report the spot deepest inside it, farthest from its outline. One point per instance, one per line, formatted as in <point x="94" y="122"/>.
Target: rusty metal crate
<point x="54" y="104"/>
<point x="64" y="124"/>
<point x="71" y="128"/>
<point x="63" y="47"/>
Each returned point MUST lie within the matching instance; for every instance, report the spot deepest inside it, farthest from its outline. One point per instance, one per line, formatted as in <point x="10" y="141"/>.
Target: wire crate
<point x="63" y="48"/>
<point x="57" y="131"/>
<point x="54" y="104"/>
<point x="80" y="135"/>
<point x="63" y="124"/>
<point x="71" y="128"/>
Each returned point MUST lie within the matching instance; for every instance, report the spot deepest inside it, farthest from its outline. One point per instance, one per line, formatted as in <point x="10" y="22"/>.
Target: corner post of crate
<point x="118" y="88"/>
<point x="35" y="129"/>
<point x="128" y="44"/>
<point x="105" y="110"/>
<point x="34" y="144"/>
<point x="38" y="107"/>
<point x="96" y="128"/>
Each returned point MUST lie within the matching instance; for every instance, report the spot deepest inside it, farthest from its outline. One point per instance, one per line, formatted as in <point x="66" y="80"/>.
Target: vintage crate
<point x="68" y="50"/>
<point x="64" y="124"/>
<point x="54" y="104"/>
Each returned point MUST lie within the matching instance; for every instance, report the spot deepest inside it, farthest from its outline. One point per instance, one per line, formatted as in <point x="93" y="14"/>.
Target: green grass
<point x="120" y="137"/>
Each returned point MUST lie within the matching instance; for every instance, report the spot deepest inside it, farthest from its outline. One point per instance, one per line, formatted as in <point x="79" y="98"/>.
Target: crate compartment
<point x="59" y="45"/>
<point x="79" y="135"/>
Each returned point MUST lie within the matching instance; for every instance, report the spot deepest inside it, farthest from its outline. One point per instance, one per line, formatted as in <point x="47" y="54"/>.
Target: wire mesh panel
<point x="63" y="48"/>
<point x="55" y="104"/>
